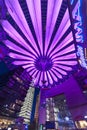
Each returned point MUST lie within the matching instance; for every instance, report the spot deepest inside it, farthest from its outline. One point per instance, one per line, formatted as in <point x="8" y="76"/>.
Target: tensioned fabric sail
<point x="42" y="41"/>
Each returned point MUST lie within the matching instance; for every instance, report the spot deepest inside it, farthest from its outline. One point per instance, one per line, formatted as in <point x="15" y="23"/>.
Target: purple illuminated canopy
<point x="44" y="46"/>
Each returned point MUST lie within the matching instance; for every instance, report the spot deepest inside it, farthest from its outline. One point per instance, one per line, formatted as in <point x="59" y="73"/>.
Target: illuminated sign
<point x="78" y="27"/>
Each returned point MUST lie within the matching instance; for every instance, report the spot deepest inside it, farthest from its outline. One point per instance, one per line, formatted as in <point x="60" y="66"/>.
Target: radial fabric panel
<point x="40" y="39"/>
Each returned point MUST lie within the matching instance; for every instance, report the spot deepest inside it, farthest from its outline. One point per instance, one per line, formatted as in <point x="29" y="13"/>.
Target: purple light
<point x="37" y="6"/>
<point x="15" y="35"/>
<point x="45" y="77"/>
<point x="35" y="74"/>
<point x="65" y="23"/>
<point x="53" y="75"/>
<point x="17" y="56"/>
<point x="27" y="66"/>
<point x="61" y="71"/>
<point x="65" y="42"/>
<point x="64" y="67"/>
<point x="67" y="50"/>
<point x="35" y="13"/>
<point x="31" y="70"/>
<point x="52" y="14"/>
<point x="49" y="78"/>
<point x="66" y="57"/>
<point x="18" y="16"/>
<point x="38" y="77"/>
<point x="45" y="61"/>
<point x="16" y="48"/>
<point x="41" y="79"/>
<point x="22" y="62"/>
<point x="56" y="72"/>
<point x="66" y="62"/>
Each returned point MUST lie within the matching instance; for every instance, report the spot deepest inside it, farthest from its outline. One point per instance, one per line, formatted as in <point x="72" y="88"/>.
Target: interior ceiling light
<point x="40" y="38"/>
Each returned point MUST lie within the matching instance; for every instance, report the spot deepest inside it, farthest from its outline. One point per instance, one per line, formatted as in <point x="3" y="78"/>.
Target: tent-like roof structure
<point x="40" y="38"/>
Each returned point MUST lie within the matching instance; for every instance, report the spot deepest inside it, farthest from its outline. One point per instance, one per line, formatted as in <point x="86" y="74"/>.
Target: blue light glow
<point x="78" y="24"/>
<point x="72" y="2"/>
<point x="80" y="53"/>
<point x="78" y="27"/>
